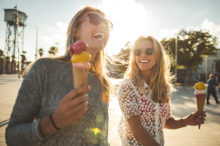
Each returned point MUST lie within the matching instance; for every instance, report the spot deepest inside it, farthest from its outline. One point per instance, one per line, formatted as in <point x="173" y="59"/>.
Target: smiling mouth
<point x="144" y="61"/>
<point x="99" y="36"/>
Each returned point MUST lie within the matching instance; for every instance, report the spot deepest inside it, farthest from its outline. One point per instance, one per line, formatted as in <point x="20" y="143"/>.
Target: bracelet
<point x="53" y="123"/>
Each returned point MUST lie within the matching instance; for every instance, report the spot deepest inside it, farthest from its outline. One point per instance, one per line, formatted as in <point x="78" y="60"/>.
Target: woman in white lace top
<point x="144" y="97"/>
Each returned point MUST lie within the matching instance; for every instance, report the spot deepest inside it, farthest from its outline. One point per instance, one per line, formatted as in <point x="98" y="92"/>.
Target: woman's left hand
<point x="195" y="118"/>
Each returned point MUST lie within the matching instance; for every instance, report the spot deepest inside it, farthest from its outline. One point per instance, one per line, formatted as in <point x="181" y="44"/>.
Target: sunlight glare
<point x="130" y="20"/>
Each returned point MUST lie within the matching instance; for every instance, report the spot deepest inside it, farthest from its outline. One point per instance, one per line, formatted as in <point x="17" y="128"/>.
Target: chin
<point x="145" y="69"/>
<point x="98" y="48"/>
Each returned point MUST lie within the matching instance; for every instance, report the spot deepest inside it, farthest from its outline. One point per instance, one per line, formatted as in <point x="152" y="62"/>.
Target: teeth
<point x="144" y="61"/>
<point x="99" y="36"/>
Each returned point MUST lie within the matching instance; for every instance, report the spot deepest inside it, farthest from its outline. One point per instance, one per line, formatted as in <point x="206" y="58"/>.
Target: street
<point x="183" y="103"/>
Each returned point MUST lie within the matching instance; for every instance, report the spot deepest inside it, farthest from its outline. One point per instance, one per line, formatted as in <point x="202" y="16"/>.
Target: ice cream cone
<point x="80" y="63"/>
<point x="200" y="98"/>
<point x="80" y="76"/>
<point x="200" y="94"/>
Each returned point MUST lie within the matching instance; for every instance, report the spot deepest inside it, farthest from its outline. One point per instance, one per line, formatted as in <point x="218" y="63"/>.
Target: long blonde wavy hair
<point x="160" y="82"/>
<point x="98" y="65"/>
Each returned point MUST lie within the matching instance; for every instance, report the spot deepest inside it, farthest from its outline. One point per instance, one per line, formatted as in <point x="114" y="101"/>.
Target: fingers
<point x="81" y="107"/>
<point x="78" y="100"/>
<point x="73" y="93"/>
<point x="79" y="111"/>
<point x="79" y="114"/>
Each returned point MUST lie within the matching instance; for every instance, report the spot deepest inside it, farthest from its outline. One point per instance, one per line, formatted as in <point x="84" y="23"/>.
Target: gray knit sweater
<point x="41" y="91"/>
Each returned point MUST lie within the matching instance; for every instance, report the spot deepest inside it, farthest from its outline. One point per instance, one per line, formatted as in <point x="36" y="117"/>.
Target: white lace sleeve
<point x="127" y="100"/>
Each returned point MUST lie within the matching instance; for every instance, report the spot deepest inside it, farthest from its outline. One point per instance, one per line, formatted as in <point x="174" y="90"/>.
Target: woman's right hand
<point x="72" y="107"/>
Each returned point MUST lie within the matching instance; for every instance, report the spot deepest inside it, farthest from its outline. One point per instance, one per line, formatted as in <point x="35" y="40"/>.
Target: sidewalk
<point x="183" y="103"/>
<point x="9" y="85"/>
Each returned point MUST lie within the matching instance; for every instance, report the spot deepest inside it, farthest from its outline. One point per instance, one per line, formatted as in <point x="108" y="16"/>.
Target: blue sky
<point x="131" y="18"/>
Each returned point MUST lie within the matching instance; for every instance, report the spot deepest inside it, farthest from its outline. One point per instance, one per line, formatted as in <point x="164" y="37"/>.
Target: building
<point x="211" y="64"/>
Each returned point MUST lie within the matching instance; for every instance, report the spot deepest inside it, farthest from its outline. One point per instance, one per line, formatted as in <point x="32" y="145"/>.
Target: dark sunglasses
<point x="96" y="20"/>
<point x="148" y="51"/>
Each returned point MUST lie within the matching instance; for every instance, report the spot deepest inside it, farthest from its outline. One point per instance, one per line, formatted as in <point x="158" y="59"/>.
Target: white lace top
<point x="152" y="115"/>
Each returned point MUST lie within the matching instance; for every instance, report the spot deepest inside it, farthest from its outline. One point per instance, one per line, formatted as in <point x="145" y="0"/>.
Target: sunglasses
<point x="147" y="51"/>
<point x="96" y="20"/>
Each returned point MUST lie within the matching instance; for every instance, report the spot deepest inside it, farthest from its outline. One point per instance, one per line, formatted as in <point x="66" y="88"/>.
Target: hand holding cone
<point x="80" y="63"/>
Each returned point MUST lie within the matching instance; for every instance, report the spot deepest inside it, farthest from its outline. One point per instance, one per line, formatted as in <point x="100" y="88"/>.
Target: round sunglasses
<point x="147" y="51"/>
<point x="96" y="20"/>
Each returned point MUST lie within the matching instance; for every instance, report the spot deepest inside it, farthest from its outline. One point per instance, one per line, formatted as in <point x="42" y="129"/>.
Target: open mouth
<point x="144" y="61"/>
<point x="99" y="36"/>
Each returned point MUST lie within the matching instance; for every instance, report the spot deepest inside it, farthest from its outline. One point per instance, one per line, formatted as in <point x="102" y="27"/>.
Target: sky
<point x="131" y="18"/>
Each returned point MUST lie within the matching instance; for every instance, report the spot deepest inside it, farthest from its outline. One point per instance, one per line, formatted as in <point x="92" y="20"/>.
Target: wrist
<point x="53" y="122"/>
<point x="45" y="126"/>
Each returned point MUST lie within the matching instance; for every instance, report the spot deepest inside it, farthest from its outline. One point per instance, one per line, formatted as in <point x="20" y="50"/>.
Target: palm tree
<point x="23" y="60"/>
<point x="41" y="52"/>
<point x="53" y="50"/>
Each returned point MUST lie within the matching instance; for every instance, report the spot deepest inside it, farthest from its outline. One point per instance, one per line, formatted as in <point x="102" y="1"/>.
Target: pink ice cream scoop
<point x="80" y="57"/>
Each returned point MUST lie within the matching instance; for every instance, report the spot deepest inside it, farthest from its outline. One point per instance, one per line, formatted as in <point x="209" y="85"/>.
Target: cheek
<point x="136" y="60"/>
<point x="154" y="61"/>
<point x="137" y="63"/>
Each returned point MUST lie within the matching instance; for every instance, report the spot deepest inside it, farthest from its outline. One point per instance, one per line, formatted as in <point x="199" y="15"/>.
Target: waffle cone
<point x="80" y="76"/>
<point x="200" y="102"/>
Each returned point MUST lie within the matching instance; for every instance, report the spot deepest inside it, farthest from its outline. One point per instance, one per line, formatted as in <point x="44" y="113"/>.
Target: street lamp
<point x="206" y="66"/>
<point x="176" y="53"/>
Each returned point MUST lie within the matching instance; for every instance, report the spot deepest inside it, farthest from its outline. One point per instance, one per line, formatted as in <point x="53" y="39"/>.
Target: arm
<point x="172" y="123"/>
<point x="72" y="107"/>
<point x="192" y="120"/>
<point x="21" y="129"/>
<point x="129" y="107"/>
<point x="140" y="133"/>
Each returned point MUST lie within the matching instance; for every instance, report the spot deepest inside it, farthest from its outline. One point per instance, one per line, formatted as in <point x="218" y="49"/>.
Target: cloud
<point x="214" y="29"/>
<point x="167" y="33"/>
<point x="206" y="25"/>
<point x="50" y="35"/>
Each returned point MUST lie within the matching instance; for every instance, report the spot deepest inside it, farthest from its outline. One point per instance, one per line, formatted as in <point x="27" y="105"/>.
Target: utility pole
<point x="36" y="43"/>
<point x="176" y="53"/>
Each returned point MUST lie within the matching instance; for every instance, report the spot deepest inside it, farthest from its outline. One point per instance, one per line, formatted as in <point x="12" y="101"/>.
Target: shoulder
<point x="46" y="64"/>
<point x="125" y="83"/>
<point x="126" y="86"/>
<point x="46" y="61"/>
<point x="41" y="66"/>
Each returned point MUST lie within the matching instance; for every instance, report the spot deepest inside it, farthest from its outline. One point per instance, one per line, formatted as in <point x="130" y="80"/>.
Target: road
<point x="183" y="103"/>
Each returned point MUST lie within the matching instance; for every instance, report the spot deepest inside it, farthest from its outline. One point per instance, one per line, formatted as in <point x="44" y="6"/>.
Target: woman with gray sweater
<point x="47" y="106"/>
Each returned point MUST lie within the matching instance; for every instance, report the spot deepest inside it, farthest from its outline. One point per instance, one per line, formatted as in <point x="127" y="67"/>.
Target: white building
<point x="211" y="64"/>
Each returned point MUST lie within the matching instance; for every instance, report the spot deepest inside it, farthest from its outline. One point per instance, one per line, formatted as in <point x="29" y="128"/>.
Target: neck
<point x="146" y="76"/>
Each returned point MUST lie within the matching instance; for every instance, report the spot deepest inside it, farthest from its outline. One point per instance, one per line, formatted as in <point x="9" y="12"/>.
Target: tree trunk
<point x="188" y="79"/>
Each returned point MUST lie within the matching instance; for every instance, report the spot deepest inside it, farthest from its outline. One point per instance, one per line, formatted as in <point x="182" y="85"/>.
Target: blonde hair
<point x="160" y="82"/>
<point x="98" y="65"/>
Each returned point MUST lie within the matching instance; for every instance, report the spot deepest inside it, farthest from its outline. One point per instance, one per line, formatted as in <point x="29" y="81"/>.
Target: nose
<point x="104" y="29"/>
